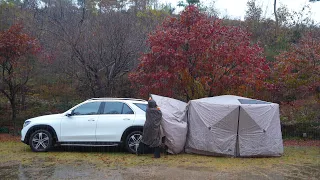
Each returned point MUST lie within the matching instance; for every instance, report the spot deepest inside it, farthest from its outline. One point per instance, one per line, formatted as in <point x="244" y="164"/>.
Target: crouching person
<point x="151" y="130"/>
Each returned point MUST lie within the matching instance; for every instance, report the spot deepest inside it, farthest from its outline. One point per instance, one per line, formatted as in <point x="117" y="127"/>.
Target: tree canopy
<point x="297" y="71"/>
<point x="193" y="56"/>
<point x="16" y="51"/>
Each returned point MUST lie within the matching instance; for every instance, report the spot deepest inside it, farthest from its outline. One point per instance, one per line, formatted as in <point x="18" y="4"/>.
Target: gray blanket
<point x="151" y="130"/>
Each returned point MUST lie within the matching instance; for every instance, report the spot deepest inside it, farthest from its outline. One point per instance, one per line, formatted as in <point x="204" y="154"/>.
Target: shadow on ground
<point x="113" y="149"/>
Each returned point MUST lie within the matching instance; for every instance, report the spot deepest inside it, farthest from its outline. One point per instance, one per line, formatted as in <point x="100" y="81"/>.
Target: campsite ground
<point x="301" y="160"/>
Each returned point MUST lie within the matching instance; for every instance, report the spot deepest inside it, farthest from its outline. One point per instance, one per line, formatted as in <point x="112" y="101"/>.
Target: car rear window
<point x="141" y="106"/>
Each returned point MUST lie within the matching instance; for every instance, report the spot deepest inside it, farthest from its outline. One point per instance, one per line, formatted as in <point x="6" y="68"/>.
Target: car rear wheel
<point x="132" y="141"/>
<point x="40" y="141"/>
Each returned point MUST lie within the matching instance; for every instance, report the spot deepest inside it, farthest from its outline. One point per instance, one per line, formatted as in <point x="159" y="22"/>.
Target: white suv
<point x="95" y="122"/>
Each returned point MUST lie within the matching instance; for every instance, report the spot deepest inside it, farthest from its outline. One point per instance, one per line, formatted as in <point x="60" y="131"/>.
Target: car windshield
<point x="141" y="106"/>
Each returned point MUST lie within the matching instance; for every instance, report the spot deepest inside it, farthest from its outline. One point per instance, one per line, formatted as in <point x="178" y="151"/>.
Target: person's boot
<point x="140" y="149"/>
<point x="156" y="152"/>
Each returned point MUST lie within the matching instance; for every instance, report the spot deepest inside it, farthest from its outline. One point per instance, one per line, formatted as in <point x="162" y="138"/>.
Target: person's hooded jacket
<point x="152" y="130"/>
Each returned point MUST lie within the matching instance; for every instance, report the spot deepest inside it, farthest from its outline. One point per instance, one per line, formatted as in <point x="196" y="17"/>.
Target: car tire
<point x="40" y="141"/>
<point x="132" y="141"/>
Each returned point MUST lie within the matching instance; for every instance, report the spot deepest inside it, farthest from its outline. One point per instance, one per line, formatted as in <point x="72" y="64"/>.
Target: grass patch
<point x="13" y="152"/>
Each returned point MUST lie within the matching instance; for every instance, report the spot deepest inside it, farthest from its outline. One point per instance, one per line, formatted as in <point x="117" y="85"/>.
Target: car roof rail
<point x="111" y="98"/>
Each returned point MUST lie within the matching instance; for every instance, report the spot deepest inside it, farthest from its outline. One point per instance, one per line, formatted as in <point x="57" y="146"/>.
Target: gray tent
<point x="174" y="122"/>
<point x="233" y="126"/>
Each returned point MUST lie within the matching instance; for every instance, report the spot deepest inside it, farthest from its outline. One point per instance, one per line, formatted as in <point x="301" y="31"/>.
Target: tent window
<point x="252" y="101"/>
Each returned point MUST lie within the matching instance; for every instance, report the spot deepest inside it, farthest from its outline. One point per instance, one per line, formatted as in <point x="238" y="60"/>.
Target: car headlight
<point x="26" y="123"/>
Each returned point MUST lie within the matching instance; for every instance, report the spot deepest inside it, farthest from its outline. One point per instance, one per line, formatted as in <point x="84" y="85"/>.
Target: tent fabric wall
<point x="222" y="126"/>
<point x="211" y="129"/>
<point x="260" y="130"/>
<point x="174" y="122"/>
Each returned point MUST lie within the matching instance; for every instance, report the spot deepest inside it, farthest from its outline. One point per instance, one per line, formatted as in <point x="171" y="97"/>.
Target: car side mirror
<point x="69" y="113"/>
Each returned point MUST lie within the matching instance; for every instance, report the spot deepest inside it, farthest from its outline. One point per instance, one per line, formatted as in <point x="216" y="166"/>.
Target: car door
<point x="81" y="125"/>
<point x="114" y="119"/>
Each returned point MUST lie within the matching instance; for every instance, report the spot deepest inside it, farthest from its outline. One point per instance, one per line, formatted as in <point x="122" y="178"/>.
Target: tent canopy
<point x="231" y="99"/>
<point x="234" y="126"/>
<point x="223" y="125"/>
<point x="174" y="122"/>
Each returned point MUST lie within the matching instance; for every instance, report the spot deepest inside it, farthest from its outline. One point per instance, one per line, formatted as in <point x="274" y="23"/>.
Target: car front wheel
<point x="132" y="141"/>
<point x="40" y="141"/>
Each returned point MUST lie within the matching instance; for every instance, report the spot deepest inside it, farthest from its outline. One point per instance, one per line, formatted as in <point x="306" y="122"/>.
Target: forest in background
<point x="57" y="53"/>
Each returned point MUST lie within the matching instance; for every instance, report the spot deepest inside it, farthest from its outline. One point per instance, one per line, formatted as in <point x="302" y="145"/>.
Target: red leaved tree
<point x="17" y="51"/>
<point x="297" y="71"/>
<point x="194" y="56"/>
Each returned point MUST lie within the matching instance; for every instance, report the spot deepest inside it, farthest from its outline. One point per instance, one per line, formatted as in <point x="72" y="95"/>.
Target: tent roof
<point x="230" y="99"/>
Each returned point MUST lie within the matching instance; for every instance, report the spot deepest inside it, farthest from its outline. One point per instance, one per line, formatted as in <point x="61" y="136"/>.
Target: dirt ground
<point x="301" y="160"/>
<point x="156" y="172"/>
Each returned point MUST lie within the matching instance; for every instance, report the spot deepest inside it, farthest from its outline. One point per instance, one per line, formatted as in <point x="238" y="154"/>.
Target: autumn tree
<point x="193" y="56"/>
<point x="17" y="51"/>
<point x="297" y="71"/>
<point x="253" y="12"/>
<point x="253" y="20"/>
<point x="8" y="12"/>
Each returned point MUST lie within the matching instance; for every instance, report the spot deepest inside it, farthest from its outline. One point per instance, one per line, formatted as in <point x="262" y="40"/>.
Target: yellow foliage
<point x="194" y="88"/>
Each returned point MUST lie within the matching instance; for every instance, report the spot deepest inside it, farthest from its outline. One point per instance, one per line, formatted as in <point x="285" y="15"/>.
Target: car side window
<point x="143" y="107"/>
<point x="112" y="108"/>
<point x="126" y="109"/>
<point x="116" y="108"/>
<point x="91" y="108"/>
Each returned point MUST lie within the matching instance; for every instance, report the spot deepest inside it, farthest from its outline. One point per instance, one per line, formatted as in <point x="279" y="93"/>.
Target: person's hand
<point x="158" y="107"/>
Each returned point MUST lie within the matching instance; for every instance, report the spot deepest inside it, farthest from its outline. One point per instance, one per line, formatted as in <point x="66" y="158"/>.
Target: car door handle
<point x="91" y="120"/>
<point x="126" y="119"/>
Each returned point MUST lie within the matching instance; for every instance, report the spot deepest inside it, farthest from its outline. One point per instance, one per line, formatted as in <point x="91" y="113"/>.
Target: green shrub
<point x="4" y="130"/>
<point x="312" y="130"/>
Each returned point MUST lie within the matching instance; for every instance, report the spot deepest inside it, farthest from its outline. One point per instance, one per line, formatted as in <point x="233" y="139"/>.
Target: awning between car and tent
<point x="174" y="122"/>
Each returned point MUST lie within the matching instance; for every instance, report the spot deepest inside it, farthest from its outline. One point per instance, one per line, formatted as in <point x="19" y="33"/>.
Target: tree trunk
<point x="23" y="99"/>
<point x="276" y="17"/>
<point x="14" y="114"/>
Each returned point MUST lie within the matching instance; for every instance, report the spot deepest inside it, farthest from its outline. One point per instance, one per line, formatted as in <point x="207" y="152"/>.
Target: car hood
<point x="46" y="117"/>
